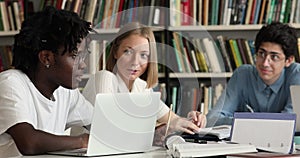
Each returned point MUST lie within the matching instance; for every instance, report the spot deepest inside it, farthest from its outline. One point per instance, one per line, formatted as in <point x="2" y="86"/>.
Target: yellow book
<point x="200" y="56"/>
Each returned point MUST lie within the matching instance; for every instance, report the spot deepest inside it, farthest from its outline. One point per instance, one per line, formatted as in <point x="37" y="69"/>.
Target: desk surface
<point x="163" y="154"/>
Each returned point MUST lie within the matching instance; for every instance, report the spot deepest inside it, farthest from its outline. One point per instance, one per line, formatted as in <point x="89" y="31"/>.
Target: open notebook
<point x="271" y="132"/>
<point x="122" y="123"/>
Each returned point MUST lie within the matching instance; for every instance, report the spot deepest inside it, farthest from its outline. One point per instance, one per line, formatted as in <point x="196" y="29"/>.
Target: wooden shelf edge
<point x="8" y="33"/>
<point x="116" y="30"/>
<point x="222" y="27"/>
<point x="201" y="75"/>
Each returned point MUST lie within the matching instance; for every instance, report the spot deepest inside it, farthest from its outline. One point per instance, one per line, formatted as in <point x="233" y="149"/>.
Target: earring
<point x="47" y="66"/>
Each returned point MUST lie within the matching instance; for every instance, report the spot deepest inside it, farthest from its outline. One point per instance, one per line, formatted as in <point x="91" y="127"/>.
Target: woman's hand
<point x="180" y="124"/>
<point x="191" y="124"/>
<point x="198" y="118"/>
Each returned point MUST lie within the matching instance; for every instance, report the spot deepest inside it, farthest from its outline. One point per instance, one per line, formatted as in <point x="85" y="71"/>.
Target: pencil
<point x="169" y="119"/>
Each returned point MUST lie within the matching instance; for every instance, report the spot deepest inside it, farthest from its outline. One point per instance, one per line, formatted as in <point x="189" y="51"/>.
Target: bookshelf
<point x="6" y="38"/>
<point x="231" y="31"/>
<point x="211" y="31"/>
<point x="164" y="22"/>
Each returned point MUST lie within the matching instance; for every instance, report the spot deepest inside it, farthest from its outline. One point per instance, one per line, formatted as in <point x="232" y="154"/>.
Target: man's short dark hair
<point x="281" y="34"/>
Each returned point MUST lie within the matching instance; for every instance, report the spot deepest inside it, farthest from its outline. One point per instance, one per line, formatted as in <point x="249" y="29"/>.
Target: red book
<point x="186" y="12"/>
<point x="58" y="4"/>
<point x="119" y="13"/>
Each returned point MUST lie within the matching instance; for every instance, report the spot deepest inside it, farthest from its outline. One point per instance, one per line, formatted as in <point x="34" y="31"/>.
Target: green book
<point x="271" y="13"/>
<point x="1" y="24"/>
<point x="235" y="52"/>
<point x="177" y="56"/>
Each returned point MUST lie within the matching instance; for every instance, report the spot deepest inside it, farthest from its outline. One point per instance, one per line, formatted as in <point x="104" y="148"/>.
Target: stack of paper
<point x="222" y="131"/>
<point x="204" y="150"/>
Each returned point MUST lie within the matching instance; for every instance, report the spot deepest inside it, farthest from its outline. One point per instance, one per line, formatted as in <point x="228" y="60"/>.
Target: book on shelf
<point x="228" y="10"/>
<point x="221" y="12"/>
<point x="186" y="11"/>
<point x="185" y="55"/>
<point x="242" y="50"/>
<point x="205" y="12"/>
<point x="190" y="53"/>
<point x="262" y="12"/>
<point x="241" y="11"/>
<point x="212" y="55"/>
<point x="205" y="100"/>
<point x="235" y="52"/>
<point x="252" y="11"/>
<point x="177" y="64"/>
<point x="220" y="42"/>
<point x="271" y="8"/>
<point x="18" y="14"/>
<point x="248" y="51"/>
<point x="201" y="57"/>
<point x="99" y="12"/>
<point x="233" y="14"/>
<point x="5" y="18"/>
<point x="180" y="57"/>
<point x="77" y="6"/>
<point x="10" y="13"/>
<point x="290" y="13"/>
<point x="1" y="22"/>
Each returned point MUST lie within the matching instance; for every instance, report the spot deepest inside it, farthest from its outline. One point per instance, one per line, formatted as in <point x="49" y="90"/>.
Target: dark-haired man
<point x="264" y="87"/>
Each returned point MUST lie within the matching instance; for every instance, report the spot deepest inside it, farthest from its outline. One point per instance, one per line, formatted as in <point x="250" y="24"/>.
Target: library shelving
<point x="206" y="19"/>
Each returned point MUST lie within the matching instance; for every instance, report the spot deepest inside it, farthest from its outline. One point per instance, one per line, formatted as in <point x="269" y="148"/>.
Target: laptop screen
<point x="123" y="123"/>
<point x="267" y="131"/>
<point x="295" y="95"/>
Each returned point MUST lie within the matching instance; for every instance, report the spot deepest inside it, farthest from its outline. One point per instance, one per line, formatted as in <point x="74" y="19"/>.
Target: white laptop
<point x="122" y="123"/>
<point x="295" y="94"/>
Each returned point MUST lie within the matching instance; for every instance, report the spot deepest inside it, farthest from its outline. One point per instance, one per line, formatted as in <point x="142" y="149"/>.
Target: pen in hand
<point x="169" y="119"/>
<point x="249" y="108"/>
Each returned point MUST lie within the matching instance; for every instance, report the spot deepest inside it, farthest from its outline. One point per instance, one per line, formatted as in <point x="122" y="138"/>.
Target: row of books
<point x="84" y="8"/>
<point x="5" y="57"/>
<point x="113" y="13"/>
<point x="201" y="98"/>
<point x="209" y="55"/>
<point x="228" y="12"/>
<point x="11" y="14"/>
